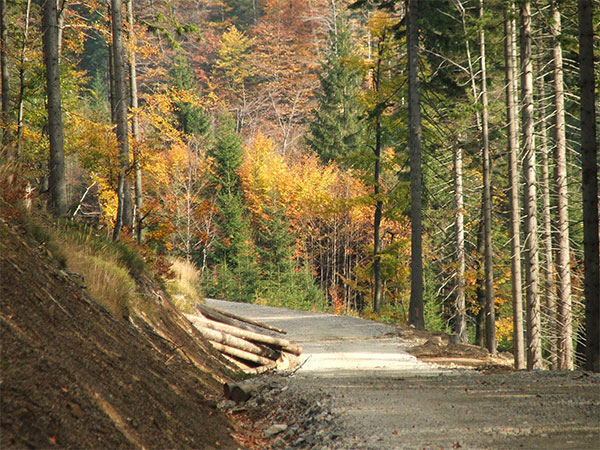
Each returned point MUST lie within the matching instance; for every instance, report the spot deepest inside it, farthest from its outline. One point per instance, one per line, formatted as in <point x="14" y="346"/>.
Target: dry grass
<point x="185" y="286"/>
<point x="107" y="282"/>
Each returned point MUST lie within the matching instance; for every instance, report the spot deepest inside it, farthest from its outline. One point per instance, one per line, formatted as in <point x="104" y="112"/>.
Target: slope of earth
<point x="72" y="376"/>
<point x="378" y="396"/>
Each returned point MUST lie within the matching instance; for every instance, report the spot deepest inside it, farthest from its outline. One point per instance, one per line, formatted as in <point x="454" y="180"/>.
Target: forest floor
<point x="359" y="386"/>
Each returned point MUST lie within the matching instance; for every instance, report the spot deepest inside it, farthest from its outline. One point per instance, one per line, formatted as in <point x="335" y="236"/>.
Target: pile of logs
<point x="239" y="341"/>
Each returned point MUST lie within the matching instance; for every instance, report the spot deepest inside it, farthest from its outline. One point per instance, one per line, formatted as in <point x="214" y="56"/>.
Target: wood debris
<point x="238" y="340"/>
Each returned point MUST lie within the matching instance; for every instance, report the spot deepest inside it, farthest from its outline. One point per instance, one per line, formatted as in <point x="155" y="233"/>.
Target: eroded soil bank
<point x="73" y="376"/>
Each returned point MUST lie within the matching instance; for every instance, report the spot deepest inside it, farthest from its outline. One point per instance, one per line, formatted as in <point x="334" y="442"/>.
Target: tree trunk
<point x="415" y="311"/>
<point x="563" y="260"/>
<point x="124" y="195"/>
<point x="58" y="185"/>
<point x="378" y="201"/>
<point x="513" y="188"/>
<point x="4" y="76"/>
<point x="589" y="180"/>
<point x="461" y="321"/>
<point x="549" y="293"/>
<point x="21" y="97"/>
<point x="479" y="291"/>
<point x="135" y="128"/>
<point x="490" y="314"/>
<point x="534" y="338"/>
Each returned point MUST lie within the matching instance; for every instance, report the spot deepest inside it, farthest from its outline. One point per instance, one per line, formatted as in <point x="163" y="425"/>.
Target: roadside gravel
<point x="358" y="388"/>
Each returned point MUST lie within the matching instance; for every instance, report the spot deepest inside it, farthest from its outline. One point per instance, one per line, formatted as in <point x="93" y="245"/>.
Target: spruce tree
<point x="337" y="129"/>
<point x="275" y="244"/>
<point x="233" y="250"/>
<point x="192" y="120"/>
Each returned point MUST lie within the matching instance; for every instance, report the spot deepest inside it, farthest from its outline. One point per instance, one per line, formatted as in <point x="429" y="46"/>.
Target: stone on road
<point x="384" y="398"/>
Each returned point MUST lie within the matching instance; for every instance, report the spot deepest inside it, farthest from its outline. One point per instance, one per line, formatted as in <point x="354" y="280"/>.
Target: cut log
<point x="256" y="323"/>
<point x="244" y="334"/>
<point x="239" y="364"/>
<point x="210" y="313"/>
<point x="233" y="341"/>
<point x="261" y="369"/>
<point x="247" y="356"/>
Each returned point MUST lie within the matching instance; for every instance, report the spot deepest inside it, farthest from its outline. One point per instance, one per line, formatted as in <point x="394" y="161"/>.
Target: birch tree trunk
<point x="415" y="311"/>
<point x="135" y="127"/>
<point x="124" y="195"/>
<point x="563" y="259"/>
<point x="513" y="187"/>
<point x="534" y="338"/>
<point x="589" y="180"/>
<point x="57" y="181"/>
<point x="490" y="315"/>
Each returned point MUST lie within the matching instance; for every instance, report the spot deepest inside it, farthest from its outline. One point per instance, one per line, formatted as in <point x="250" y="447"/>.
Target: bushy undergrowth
<point x="295" y="289"/>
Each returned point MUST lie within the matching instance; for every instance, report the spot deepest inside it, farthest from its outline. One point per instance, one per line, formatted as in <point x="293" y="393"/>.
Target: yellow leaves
<point x="504" y="328"/>
<point x="262" y="172"/>
<point x="381" y="22"/>
<point x="234" y="58"/>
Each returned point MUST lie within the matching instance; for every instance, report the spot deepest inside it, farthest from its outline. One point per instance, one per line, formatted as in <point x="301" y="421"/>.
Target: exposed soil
<point x="438" y="348"/>
<point x="72" y="376"/>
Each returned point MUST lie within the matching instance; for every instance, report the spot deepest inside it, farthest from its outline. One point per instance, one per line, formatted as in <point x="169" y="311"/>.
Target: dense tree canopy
<point x="363" y="156"/>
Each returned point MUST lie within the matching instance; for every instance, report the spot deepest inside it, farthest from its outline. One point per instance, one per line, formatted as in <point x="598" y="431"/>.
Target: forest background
<point x="268" y="144"/>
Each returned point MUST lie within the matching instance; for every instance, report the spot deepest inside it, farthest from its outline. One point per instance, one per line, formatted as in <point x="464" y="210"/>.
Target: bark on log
<point x="233" y="341"/>
<point x="245" y="319"/>
<point x="244" y="334"/>
<point x="236" y="363"/>
<point x="217" y="316"/>
<point x="260" y="369"/>
<point x="247" y="356"/>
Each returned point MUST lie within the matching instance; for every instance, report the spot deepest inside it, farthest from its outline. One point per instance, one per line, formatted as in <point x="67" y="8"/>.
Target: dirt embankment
<point x="72" y="376"/>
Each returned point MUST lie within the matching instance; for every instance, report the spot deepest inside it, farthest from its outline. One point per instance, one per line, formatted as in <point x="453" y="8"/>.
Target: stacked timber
<point x="239" y="341"/>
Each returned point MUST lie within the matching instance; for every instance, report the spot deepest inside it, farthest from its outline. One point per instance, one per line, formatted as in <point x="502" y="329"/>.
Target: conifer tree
<point x="275" y="243"/>
<point x="192" y="119"/>
<point x="338" y="130"/>
<point x="233" y="248"/>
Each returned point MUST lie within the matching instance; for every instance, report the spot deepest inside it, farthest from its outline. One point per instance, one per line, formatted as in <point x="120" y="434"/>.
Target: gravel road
<point x="360" y="389"/>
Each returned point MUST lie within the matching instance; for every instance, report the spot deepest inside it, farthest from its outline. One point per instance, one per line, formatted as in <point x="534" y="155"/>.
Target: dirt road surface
<point x="384" y="398"/>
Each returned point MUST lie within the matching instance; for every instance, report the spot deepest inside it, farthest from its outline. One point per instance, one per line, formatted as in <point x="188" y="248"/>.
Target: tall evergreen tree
<point x="233" y="223"/>
<point x="234" y="251"/>
<point x="534" y="338"/>
<point x="513" y="183"/>
<point x="338" y="130"/>
<point x="415" y="317"/>
<point x="192" y="119"/>
<point x="589" y="181"/>
<point x="275" y="243"/>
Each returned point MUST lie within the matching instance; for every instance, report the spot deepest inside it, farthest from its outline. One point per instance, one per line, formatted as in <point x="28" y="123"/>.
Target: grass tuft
<point x="185" y="285"/>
